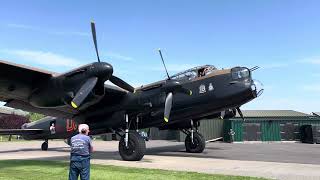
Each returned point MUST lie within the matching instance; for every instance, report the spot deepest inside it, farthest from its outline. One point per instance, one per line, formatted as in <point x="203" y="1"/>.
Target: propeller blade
<point x="222" y="114"/>
<point x="119" y="82"/>
<point x="240" y="113"/>
<point x="167" y="107"/>
<point x="85" y="89"/>
<point x="94" y="36"/>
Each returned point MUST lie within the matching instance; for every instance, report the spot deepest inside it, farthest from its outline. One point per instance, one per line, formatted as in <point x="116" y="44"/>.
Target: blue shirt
<point x="80" y="147"/>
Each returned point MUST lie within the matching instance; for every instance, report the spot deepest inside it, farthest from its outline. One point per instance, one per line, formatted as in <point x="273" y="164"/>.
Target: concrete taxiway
<point x="274" y="160"/>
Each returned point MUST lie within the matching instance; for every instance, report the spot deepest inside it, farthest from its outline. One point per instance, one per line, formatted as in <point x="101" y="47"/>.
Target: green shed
<point x="209" y="128"/>
<point x="268" y="125"/>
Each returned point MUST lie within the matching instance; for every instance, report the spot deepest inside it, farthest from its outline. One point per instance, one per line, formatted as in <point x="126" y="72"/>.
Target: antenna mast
<point x="164" y="64"/>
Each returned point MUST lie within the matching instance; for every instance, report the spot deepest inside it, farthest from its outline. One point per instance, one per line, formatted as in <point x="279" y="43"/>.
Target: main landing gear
<point x="45" y="145"/>
<point x="132" y="146"/>
<point x="133" y="149"/>
<point x="194" y="142"/>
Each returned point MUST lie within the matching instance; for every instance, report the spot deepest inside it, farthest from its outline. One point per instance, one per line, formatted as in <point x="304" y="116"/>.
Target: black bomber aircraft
<point x="81" y="96"/>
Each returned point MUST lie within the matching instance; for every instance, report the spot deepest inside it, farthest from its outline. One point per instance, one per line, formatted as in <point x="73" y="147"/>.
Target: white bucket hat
<point x="83" y="127"/>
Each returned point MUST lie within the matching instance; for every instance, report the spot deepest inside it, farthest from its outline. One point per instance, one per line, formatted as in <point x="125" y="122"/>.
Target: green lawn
<point x="27" y="169"/>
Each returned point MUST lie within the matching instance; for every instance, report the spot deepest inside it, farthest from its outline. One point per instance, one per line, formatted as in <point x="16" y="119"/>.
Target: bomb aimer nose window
<point x="240" y="73"/>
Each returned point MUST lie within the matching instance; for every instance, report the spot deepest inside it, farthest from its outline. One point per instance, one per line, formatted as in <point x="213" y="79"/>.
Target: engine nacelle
<point x="60" y="90"/>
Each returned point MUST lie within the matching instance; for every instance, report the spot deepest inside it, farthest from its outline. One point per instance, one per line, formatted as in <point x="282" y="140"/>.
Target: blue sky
<point x="282" y="37"/>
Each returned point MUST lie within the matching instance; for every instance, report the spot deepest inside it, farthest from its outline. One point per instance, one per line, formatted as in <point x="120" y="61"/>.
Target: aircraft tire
<point x="44" y="146"/>
<point x="198" y="145"/>
<point x="136" y="147"/>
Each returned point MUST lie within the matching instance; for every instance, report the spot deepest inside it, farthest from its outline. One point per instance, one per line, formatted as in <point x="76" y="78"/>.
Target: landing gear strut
<point x="194" y="142"/>
<point x="132" y="146"/>
<point x="45" y="145"/>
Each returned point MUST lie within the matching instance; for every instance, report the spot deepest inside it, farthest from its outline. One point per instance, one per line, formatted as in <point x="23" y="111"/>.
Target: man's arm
<point x="90" y="145"/>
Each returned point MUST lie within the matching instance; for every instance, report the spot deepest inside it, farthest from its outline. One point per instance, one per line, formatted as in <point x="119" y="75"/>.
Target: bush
<point x="12" y="121"/>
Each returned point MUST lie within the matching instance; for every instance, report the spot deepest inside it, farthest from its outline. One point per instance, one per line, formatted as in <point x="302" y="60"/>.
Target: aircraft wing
<point x="112" y="93"/>
<point x="20" y="131"/>
<point x="63" y="112"/>
<point x="17" y="83"/>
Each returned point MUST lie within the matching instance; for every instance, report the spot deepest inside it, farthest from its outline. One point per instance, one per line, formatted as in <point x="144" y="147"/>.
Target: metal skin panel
<point x="226" y="129"/>
<point x="238" y="129"/>
<point x="270" y="131"/>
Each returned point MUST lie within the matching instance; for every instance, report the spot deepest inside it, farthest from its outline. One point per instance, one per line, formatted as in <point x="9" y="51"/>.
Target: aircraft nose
<point x="257" y="87"/>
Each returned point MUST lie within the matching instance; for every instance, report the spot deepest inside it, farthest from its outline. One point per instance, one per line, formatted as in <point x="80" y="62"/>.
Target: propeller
<point x="240" y="113"/>
<point x="121" y="83"/>
<point x="90" y="83"/>
<point x="94" y="36"/>
<point x="167" y="107"/>
<point x="115" y="80"/>
<point x="83" y="92"/>
<point x="170" y="88"/>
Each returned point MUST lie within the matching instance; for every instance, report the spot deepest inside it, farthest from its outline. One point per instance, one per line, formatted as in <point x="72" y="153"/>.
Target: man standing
<point x="52" y="128"/>
<point x="81" y="147"/>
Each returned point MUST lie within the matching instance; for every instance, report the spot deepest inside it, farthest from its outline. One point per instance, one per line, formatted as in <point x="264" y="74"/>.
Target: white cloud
<point x="274" y="65"/>
<point x="75" y="33"/>
<point x="313" y="87"/>
<point x="21" y="26"/>
<point x="28" y="27"/>
<point x="43" y="58"/>
<point x="113" y="55"/>
<point x="312" y="60"/>
<point x="316" y="74"/>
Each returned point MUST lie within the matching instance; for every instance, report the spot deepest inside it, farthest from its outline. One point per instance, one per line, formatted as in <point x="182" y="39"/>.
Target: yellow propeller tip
<point x="190" y="93"/>
<point x="166" y="119"/>
<point x="74" y="105"/>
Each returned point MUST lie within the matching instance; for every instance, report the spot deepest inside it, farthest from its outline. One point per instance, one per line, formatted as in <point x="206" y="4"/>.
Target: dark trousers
<point x="80" y="167"/>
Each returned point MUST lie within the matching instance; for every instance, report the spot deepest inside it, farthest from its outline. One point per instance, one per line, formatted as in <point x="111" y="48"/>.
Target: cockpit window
<point x="185" y="76"/>
<point x="208" y="70"/>
<point x="194" y="72"/>
<point x="240" y="73"/>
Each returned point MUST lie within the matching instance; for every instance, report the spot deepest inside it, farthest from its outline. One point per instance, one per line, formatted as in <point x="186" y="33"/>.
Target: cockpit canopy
<point x="194" y="72"/>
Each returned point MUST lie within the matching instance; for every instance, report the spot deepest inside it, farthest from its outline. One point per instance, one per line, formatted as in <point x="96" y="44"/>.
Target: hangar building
<point x="209" y="128"/>
<point x="260" y="125"/>
<point x="268" y="125"/>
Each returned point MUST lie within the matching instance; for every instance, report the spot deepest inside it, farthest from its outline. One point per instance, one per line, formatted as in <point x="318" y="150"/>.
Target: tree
<point x="12" y="121"/>
<point x="35" y="116"/>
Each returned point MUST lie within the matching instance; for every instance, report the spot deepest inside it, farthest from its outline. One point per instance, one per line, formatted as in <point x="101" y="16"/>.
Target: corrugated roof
<point x="5" y="110"/>
<point x="272" y="113"/>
